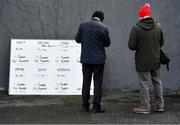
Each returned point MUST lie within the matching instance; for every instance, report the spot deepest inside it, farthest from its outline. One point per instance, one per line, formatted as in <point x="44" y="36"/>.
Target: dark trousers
<point x="89" y="70"/>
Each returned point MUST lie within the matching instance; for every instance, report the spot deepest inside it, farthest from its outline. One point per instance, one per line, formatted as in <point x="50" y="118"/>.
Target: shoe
<point x="141" y="110"/>
<point x="101" y="110"/>
<point x="85" y="107"/>
<point x="85" y="110"/>
<point x="158" y="110"/>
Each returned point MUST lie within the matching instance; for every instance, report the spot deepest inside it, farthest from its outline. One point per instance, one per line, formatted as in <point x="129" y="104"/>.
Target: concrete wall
<point x="59" y="19"/>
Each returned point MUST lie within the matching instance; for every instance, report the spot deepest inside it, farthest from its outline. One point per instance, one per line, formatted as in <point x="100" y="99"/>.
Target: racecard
<point x="45" y="67"/>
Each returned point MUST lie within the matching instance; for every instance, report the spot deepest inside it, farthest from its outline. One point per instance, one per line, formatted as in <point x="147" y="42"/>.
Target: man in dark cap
<point x="94" y="37"/>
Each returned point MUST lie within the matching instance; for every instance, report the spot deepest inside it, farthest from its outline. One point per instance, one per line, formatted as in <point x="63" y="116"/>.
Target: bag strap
<point x="167" y="66"/>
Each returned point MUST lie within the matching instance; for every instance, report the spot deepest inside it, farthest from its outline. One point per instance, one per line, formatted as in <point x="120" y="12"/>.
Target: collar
<point x="96" y="18"/>
<point x="141" y="18"/>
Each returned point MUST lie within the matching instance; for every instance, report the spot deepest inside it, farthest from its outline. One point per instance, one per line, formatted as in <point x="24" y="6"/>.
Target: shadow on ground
<point x="67" y="109"/>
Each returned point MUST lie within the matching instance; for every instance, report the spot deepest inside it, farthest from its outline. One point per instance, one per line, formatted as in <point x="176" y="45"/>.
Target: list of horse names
<point x="45" y="67"/>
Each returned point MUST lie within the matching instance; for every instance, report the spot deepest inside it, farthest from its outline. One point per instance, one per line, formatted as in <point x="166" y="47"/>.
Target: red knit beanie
<point x="145" y="10"/>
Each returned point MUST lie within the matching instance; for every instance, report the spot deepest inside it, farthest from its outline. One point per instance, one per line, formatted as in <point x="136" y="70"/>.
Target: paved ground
<point x="67" y="109"/>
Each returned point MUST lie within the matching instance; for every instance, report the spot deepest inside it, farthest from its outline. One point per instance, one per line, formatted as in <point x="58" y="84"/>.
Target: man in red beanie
<point x="146" y="39"/>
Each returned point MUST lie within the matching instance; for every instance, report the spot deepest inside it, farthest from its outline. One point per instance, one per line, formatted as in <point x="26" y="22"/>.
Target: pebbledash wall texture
<point x="59" y="19"/>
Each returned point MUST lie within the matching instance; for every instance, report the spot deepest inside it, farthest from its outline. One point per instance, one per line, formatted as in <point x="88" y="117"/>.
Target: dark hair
<point x="99" y="14"/>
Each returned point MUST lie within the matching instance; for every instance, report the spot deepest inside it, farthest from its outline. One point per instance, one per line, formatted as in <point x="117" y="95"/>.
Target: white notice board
<point x="45" y="67"/>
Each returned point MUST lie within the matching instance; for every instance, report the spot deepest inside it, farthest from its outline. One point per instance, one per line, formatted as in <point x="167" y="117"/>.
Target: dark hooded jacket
<point x="146" y="38"/>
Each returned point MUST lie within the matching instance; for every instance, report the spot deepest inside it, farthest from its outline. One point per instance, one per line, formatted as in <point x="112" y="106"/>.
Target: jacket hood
<point x="147" y="23"/>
